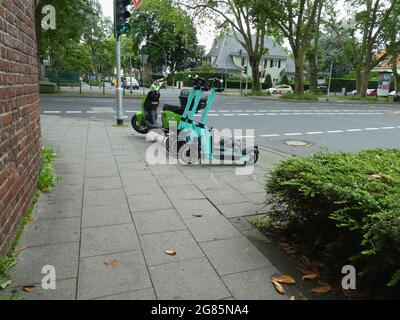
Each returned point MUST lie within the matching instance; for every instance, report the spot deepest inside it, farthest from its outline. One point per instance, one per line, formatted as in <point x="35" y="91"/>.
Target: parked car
<point x="392" y="94"/>
<point x="372" y="92"/>
<point x="352" y="93"/>
<point x="281" y="89"/>
<point x="396" y="97"/>
<point x="132" y="83"/>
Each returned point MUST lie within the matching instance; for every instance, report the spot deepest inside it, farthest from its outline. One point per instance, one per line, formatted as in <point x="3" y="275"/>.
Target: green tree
<point x="78" y="59"/>
<point x="246" y="19"/>
<point x="169" y="31"/>
<point x="284" y="80"/>
<point x="369" y="35"/>
<point x="296" y="20"/>
<point x="72" y="16"/>
<point x="106" y="56"/>
<point x="268" y="81"/>
<point x="97" y="30"/>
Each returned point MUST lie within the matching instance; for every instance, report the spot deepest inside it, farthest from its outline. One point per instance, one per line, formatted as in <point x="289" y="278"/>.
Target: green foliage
<point x="47" y="177"/>
<point x="166" y="27"/>
<point x="284" y="80"/>
<point x="346" y="206"/>
<point x="6" y="263"/>
<point x="78" y="59"/>
<point x="308" y="96"/>
<point x="268" y="81"/>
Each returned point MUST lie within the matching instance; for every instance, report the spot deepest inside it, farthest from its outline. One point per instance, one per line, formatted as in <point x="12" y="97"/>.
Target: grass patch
<point x="47" y="176"/>
<point x="46" y="182"/>
<point x="308" y="96"/>
<point x="259" y="94"/>
<point x="260" y="223"/>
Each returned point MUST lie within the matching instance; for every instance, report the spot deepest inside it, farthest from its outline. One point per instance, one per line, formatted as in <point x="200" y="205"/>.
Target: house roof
<point x="228" y="47"/>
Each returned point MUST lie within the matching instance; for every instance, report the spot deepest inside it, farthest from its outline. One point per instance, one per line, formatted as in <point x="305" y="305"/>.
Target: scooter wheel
<point x="253" y="158"/>
<point x="188" y="154"/>
<point x="138" y="126"/>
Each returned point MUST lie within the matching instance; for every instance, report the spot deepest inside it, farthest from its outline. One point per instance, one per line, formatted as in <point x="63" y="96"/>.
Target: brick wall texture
<point x="20" y="143"/>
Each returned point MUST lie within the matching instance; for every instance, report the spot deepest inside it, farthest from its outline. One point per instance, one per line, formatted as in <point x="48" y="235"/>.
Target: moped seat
<point x="176" y="109"/>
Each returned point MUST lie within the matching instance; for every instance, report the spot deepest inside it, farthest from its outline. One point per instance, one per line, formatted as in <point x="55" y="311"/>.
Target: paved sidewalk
<point x="107" y="225"/>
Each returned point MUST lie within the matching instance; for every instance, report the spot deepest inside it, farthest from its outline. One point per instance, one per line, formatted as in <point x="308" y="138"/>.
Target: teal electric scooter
<point x="186" y="123"/>
<point x="199" y="144"/>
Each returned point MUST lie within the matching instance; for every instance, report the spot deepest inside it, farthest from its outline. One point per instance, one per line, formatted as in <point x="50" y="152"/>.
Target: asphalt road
<point x="273" y="124"/>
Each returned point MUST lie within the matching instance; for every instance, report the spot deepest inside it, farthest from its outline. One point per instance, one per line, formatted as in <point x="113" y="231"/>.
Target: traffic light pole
<point x="120" y="111"/>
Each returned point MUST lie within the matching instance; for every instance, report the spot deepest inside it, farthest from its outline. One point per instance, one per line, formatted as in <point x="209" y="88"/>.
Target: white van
<point x="132" y="83"/>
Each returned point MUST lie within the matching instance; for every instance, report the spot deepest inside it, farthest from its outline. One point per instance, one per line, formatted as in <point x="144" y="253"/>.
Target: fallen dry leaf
<point x="292" y="298"/>
<point x="284" y="279"/>
<point x="321" y="290"/>
<point x="112" y="264"/>
<point x="31" y="218"/>
<point x="278" y="287"/>
<point x="29" y="288"/>
<point x="171" y="253"/>
<point x="198" y="216"/>
<point x="311" y="276"/>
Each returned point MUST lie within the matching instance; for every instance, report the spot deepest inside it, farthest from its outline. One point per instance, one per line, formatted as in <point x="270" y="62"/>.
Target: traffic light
<point x="122" y="15"/>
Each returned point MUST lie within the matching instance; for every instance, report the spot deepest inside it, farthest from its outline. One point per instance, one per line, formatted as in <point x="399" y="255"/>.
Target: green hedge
<point x="347" y="207"/>
<point x="350" y="84"/>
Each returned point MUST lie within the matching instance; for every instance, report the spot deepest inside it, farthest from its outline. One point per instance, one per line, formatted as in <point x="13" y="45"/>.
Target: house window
<point x="279" y="64"/>
<point x="243" y="61"/>
<point x="272" y="63"/>
<point x="275" y="63"/>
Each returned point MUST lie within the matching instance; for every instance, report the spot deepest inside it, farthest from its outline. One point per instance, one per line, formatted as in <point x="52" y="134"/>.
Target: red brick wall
<point x="20" y="142"/>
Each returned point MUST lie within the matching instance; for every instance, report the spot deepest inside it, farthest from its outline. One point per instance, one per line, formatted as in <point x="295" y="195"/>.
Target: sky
<point x="205" y="36"/>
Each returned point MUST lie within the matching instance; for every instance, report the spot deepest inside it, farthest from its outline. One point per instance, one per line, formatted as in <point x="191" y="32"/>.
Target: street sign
<point x="137" y="3"/>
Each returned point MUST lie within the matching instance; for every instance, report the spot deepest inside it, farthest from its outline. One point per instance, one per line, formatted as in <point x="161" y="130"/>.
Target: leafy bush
<point x="308" y="96"/>
<point x="346" y="206"/>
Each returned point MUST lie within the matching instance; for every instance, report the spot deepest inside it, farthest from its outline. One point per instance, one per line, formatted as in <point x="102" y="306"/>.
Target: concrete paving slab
<point x="53" y="231"/>
<point x="184" y="193"/>
<point x="224" y="196"/>
<point x="103" y="183"/>
<point x="188" y="280"/>
<point x="109" y="239"/>
<point x="30" y="262"/>
<point x="254" y="285"/>
<point x="148" y="202"/>
<point x="238" y="209"/>
<point x="188" y="208"/>
<point x="144" y="294"/>
<point x="234" y="255"/>
<point x="113" y="274"/>
<point x="47" y="209"/>
<point x="65" y="290"/>
<point x="157" y="221"/>
<point x="106" y="215"/>
<point x="155" y="245"/>
<point x="104" y="197"/>
<point x="211" y="228"/>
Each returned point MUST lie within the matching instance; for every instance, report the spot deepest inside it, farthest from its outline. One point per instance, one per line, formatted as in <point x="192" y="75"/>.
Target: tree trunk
<point x="396" y="75"/>
<point x="254" y="63"/>
<point x="364" y="82"/>
<point x="314" y="72"/>
<point x="358" y="81"/>
<point x="299" y="73"/>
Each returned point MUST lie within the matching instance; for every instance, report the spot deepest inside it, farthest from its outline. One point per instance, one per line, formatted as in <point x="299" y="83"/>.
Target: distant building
<point x="385" y="65"/>
<point x="229" y="55"/>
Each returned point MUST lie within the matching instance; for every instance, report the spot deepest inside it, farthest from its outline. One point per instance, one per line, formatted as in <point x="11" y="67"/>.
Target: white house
<point x="229" y="55"/>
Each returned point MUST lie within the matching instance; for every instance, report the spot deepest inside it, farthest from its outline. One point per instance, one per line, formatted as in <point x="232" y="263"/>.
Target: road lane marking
<point x="73" y="112"/>
<point x="293" y="134"/>
<point x="354" y="130"/>
<point x="270" y="135"/>
<point x="313" y="133"/>
<point x="388" y="128"/>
